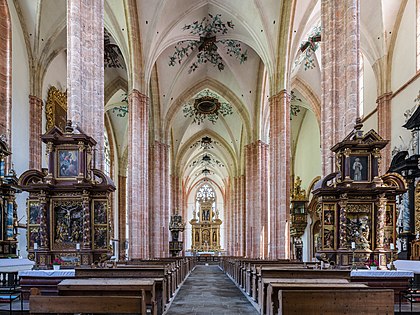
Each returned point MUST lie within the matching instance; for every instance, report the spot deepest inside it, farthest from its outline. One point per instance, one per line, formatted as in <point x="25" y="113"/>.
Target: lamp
<point x="208" y="105"/>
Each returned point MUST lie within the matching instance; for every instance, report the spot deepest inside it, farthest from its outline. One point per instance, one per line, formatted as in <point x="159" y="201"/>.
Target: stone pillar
<point x="138" y="172"/>
<point x="122" y="212"/>
<point x="35" y="132"/>
<point x="340" y="47"/>
<point x="159" y="219"/>
<point x="85" y="75"/>
<point x="241" y="227"/>
<point x="5" y="73"/>
<point x="256" y="199"/>
<point x="280" y="156"/>
<point x="384" y="129"/>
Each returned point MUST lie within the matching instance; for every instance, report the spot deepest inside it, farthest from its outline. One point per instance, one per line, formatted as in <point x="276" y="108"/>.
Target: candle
<point x="353" y="245"/>
<point x="35" y="246"/>
<point x="77" y="246"/>
<point x="391" y="246"/>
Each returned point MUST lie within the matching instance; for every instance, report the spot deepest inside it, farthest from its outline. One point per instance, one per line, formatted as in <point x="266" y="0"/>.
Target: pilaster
<point x="35" y="131"/>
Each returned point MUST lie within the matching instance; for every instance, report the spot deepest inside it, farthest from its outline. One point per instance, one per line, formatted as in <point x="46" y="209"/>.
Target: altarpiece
<point x="357" y="206"/>
<point x="69" y="203"/>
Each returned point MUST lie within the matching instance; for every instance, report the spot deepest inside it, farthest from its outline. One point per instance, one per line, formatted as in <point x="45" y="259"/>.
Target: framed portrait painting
<point x="68" y="163"/>
<point x="359" y="167"/>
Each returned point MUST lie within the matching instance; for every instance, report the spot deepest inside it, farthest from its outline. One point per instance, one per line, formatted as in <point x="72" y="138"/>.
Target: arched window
<point x="206" y="202"/>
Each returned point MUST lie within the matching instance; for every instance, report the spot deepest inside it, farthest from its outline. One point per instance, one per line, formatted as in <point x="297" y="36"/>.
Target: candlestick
<point x="35" y="246"/>
<point x="353" y="245"/>
<point x="77" y="246"/>
<point x="391" y="246"/>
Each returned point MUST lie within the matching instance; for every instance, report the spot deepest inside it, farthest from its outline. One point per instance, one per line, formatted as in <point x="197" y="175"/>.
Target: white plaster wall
<point x="308" y="155"/>
<point x="400" y="103"/>
<point x="371" y="123"/>
<point x="20" y="115"/>
<point x="56" y="75"/>
<point x="404" y="58"/>
<point x="369" y="88"/>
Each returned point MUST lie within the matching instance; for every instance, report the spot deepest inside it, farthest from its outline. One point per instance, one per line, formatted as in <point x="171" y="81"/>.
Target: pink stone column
<point x="85" y="75"/>
<point x="122" y="221"/>
<point x="5" y="72"/>
<point x="256" y="166"/>
<point x="340" y="47"/>
<point x="280" y="155"/>
<point x="35" y="132"/>
<point x="159" y="218"/>
<point x="242" y="217"/>
<point x="384" y="129"/>
<point x="138" y="175"/>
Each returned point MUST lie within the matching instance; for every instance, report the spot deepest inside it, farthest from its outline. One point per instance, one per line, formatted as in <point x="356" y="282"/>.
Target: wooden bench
<point x="39" y="304"/>
<point x="272" y="302"/>
<point x="158" y="273"/>
<point x="272" y="274"/>
<point x="329" y="302"/>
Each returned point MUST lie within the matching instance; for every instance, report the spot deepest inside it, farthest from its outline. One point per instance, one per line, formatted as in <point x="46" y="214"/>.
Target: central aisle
<point x="209" y="291"/>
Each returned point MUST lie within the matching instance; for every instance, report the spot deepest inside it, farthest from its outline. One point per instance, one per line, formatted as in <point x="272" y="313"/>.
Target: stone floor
<point x="209" y="291"/>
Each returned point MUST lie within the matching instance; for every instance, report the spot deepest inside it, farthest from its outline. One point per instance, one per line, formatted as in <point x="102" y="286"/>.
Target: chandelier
<point x="112" y="53"/>
<point x="207" y="45"/>
<point x="206" y="105"/>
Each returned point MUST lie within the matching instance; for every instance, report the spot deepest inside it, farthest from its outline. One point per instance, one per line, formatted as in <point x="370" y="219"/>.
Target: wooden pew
<point x="143" y="287"/>
<point x="273" y="289"/>
<point x="39" y="304"/>
<point x="157" y="273"/>
<point x="333" y="301"/>
<point x="270" y="273"/>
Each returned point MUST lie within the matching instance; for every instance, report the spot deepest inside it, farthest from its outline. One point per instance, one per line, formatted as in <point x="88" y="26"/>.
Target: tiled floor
<point x="209" y="291"/>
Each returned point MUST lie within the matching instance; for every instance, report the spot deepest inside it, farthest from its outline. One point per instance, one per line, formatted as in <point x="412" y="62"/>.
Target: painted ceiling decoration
<point x="308" y="48"/>
<point x="112" y="53"/>
<point x="207" y="159"/>
<point x="206" y="105"/>
<point x="294" y="108"/>
<point x="206" y="143"/>
<point x="122" y="110"/>
<point x="207" y="44"/>
<point x="206" y="172"/>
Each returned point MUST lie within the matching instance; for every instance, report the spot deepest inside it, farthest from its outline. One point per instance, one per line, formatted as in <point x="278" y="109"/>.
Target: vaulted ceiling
<point x="245" y="86"/>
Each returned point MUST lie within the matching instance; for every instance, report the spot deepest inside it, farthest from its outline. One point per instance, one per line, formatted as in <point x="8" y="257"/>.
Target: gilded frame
<point x="328" y="237"/>
<point x="56" y="109"/>
<point x="34" y="220"/>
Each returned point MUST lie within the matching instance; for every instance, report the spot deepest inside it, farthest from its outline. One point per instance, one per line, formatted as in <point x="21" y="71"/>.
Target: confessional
<point x="69" y="204"/>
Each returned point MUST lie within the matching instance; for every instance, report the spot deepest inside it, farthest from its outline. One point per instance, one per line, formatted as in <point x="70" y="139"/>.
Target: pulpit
<point x="356" y="205"/>
<point x="69" y="203"/>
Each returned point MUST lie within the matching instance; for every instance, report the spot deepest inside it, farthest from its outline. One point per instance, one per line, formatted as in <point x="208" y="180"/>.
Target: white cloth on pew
<point x="15" y="264"/>
<point x="48" y="273"/>
<point x="382" y="273"/>
<point x="412" y="265"/>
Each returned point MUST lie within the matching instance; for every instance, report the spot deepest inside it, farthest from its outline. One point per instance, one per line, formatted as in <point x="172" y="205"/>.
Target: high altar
<point x="69" y="203"/>
<point x="206" y="229"/>
<point x="356" y="206"/>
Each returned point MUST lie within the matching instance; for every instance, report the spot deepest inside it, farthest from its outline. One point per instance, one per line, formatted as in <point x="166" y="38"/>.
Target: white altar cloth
<point x="48" y="273"/>
<point x="412" y="265"/>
